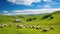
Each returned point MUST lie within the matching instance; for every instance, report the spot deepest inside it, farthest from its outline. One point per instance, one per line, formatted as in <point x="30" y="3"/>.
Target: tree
<point x="46" y="16"/>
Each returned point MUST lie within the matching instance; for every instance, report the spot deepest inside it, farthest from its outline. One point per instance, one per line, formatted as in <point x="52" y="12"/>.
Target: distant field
<point x="45" y="23"/>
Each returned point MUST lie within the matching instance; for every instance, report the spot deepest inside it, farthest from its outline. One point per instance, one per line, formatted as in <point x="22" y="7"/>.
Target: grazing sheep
<point x="1" y="26"/>
<point x="27" y="26"/>
<point x="20" y="26"/>
<point x="45" y="30"/>
<point x="30" y="26"/>
<point x="51" y="27"/>
<point x="23" y="27"/>
<point x="5" y="25"/>
<point x="33" y="26"/>
<point x="38" y="27"/>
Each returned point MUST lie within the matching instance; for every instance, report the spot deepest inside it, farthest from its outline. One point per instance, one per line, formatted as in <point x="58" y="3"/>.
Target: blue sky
<point x="16" y="6"/>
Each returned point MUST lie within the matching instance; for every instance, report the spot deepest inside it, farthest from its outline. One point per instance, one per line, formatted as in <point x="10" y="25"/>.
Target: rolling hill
<point x="34" y="20"/>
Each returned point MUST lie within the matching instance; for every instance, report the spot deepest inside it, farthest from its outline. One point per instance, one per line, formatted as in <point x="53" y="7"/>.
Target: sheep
<point x="20" y="26"/>
<point x="51" y="27"/>
<point x="5" y="25"/>
<point x="30" y="26"/>
<point x="23" y="27"/>
<point x="38" y="27"/>
<point x="45" y="30"/>
<point x="1" y="26"/>
<point x="33" y="26"/>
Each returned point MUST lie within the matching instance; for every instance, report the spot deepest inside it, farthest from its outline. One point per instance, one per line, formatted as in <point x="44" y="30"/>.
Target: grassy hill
<point x="46" y="22"/>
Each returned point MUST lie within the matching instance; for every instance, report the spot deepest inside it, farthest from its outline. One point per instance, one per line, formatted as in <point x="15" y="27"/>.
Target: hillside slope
<point x="45" y="23"/>
<point x="23" y="18"/>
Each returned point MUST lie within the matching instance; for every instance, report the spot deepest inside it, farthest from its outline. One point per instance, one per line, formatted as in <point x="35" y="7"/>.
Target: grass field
<point x="45" y="23"/>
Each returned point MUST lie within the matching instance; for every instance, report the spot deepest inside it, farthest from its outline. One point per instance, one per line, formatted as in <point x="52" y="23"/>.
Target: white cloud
<point x="40" y="11"/>
<point x="8" y="14"/>
<point x="47" y="0"/>
<point x="5" y="11"/>
<point x="17" y="11"/>
<point x="37" y="11"/>
<point x="53" y="3"/>
<point x="47" y="6"/>
<point x="24" y="2"/>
